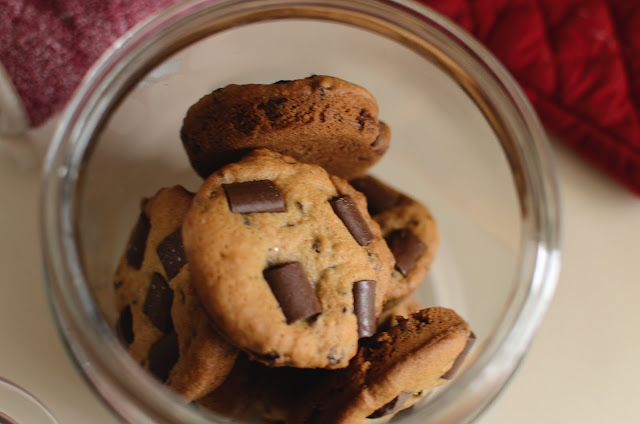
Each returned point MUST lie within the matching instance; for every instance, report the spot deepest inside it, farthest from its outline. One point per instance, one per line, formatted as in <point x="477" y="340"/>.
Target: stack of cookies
<point x="283" y="287"/>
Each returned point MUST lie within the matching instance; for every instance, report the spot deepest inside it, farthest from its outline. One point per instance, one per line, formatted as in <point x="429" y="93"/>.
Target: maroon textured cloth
<point x="579" y="63"/>
<point x="46" y="46"/>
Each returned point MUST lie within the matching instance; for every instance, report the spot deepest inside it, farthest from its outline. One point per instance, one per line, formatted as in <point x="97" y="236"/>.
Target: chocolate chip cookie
<point x="287" y="261"/>
<point x="401" y="308"/>
<point x="409" y="229"/>
<point x="320" y="119"/>
<point x="390" y="371"/>
<point x="257" y="389"/>
<point x="233" y="399"/>
<point x="162" y="321"/>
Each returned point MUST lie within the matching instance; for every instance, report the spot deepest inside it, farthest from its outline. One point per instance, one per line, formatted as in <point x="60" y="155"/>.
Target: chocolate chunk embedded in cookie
<point x="390" y="371"/>
<point x="320" y="119"/>
<point x="280" y="283"/>
<point x="162" y="322"/>
<point x="409" y="229"/>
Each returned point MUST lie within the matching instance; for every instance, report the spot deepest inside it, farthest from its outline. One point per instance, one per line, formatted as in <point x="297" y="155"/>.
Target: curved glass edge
<point x="25" y="394"/>
<point x="61" y="173"/>
<point x="540" y="249"/>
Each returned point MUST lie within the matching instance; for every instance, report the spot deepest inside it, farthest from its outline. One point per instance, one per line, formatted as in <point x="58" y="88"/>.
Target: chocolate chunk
<point x="157" y="305"/>
<point x="379" y="197"/>
<point x="171" y="253"/>
<point x="460" y="359"/>
<point x="364" y="306"/>
<point x="293" y="291"/>
<point x="364" y="118"/>
<point x="124" y="326"/>
<point x="345" y="208"/>
<point x="163" y="355"/>
<point x="406" y="248"/>
<point x="392" y="407"/>
<point x="138" y="242"/>
<point x="254" y="196"/>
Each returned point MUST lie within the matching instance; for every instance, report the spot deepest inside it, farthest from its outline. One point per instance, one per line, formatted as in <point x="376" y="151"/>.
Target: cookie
<point x="319" y="119"/>
<point x="409" y="229"/>
<point x="389" y="371"/>
<point x="287" y="261"/>
<point x="402" y="308"/>
<point x="162" y="321"/>
<point x="233" y="398"/>
<point x="275" y="389"/>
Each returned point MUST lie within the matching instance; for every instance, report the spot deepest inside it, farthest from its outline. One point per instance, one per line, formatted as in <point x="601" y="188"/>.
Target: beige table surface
<point x="583" y="366"/>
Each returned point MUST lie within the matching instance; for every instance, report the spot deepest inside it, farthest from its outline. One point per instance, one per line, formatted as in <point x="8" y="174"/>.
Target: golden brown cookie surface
<point x="387" y="371"/>
<point x="320" y="119"/>
<point x="278" y="251"/>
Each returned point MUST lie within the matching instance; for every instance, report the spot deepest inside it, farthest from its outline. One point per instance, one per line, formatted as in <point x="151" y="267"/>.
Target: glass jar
<point x="465" y="141"/>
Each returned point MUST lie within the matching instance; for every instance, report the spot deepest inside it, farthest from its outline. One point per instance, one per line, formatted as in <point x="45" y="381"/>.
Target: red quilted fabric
<point x="579" y="63"/>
